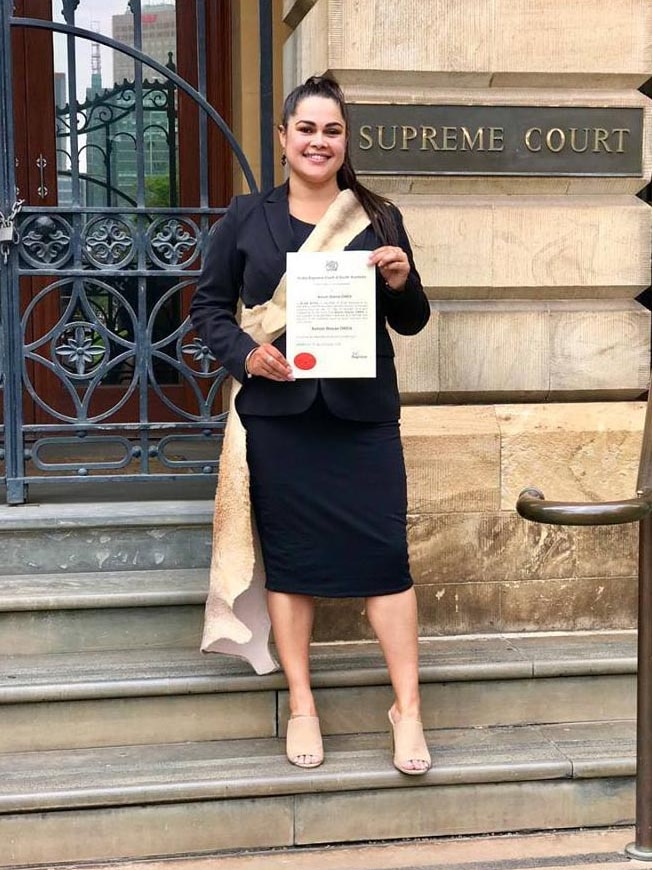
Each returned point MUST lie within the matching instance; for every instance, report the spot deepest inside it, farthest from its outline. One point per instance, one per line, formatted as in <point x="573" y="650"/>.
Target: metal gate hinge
<point x="8" y="231"/>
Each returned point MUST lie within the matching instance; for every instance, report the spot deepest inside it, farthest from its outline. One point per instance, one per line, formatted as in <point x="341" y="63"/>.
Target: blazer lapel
<point x="277" y="216"/>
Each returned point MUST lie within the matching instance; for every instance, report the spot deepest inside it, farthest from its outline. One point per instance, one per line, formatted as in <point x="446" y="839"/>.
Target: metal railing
<point x="532" y="505"/>
<point x="102" y="378"/>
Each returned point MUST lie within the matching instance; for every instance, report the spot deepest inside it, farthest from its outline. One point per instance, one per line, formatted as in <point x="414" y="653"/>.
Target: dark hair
<point x="378" y="208"/>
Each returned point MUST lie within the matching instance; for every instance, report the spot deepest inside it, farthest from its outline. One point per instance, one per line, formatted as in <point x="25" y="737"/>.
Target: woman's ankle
<point x="302" y="705"/>
<point x="406" y="710"/>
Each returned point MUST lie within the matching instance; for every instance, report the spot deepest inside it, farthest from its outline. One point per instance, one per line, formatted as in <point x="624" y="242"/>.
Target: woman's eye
<point x="332" y="131"/>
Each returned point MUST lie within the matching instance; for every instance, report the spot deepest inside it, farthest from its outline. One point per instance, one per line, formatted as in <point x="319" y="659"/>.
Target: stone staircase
<point x="119" y="739"/>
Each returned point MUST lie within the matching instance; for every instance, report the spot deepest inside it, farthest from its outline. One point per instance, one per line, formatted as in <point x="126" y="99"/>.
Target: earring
<point x="284" y="159"/>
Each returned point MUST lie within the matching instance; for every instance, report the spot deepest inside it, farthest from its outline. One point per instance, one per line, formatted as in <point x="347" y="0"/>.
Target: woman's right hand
<point x="266" y="361"/>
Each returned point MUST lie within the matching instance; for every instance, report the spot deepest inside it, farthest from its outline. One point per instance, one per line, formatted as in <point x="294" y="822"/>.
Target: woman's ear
<point x="281" y="135"/>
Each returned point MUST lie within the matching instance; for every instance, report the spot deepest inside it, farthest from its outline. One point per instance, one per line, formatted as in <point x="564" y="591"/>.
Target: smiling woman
<point x="314" y="145"/>
<point x="336" y="526"/>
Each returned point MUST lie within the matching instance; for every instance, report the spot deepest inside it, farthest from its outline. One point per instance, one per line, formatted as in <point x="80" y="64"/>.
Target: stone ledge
<point x="500" y="42"/>
<point x="84" y="515"/>
<point x="394" y="186"/>
<point x="350" y="77"/>
<point x="207" y="827"/>
<point x="100" y="589"/>
<point x="295" y="10"/>
<point x="159" y="672"/>
<point x="229" y="769"/>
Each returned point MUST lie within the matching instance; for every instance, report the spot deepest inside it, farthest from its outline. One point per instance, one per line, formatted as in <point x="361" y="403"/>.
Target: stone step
<point x="56" y="538"/>
<point x="79" y="591"/>
<point x="568" y="850"/>
<point x="101" y="610"/>
<point x="175" y="799"/>
<point x="175" y="695"/>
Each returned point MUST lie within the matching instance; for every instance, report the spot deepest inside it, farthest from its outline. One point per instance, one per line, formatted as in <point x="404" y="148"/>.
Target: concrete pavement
<point x="587" y="849"/>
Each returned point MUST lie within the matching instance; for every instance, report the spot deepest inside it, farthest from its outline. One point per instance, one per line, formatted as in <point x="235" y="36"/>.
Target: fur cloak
<point x="236" y="621"/>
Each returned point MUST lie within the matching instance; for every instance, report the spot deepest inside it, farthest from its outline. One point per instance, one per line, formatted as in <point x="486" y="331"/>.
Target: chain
<point x="8" y="231"/>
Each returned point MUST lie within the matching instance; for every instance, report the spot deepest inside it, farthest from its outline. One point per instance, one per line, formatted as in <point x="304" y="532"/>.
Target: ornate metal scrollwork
<point x="45" y="241"/>
<point x="82" y="347"/>
<point x="173" y="349"/>
<point x="102" y="278"/>
<point x="85" y="349"/>
<point x="198" y="352"/>
<point x="108" y="242"/>
<point x="112" y="105"/>
<point x="172" y="242"/>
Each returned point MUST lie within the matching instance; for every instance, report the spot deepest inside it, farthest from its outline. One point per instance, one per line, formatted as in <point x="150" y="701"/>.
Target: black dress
<point x="329" y="498"/>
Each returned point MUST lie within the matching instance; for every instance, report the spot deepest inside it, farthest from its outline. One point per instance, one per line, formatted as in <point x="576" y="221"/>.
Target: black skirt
<point x="329" y="498"/>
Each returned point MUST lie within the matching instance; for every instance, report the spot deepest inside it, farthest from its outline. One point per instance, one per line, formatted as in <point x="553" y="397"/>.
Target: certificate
<point x="331" y="314"/>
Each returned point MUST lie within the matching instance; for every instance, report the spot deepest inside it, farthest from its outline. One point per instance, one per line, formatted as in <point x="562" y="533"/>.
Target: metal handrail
<point x="532" y="505"/>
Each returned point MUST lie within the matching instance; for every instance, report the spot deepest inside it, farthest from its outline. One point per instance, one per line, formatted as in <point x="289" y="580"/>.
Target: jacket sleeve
<point x="407" y="310"/>
<point x="214" y="305"/>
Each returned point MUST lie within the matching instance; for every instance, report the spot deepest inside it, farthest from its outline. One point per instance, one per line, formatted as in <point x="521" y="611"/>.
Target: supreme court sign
<point x="496" y="140"/>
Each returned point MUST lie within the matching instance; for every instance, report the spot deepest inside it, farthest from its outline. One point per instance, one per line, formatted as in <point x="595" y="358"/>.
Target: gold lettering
<point x="450" y="138"/>
<point x="365" y="135"/>
<point x="496" y="138"/>
<point x="528" y="139"/>
<point x="467" y="140"/>
<point x="429" y="134"/>
<point x="409" y="133"/>
<point x="381" y="128"/>
<point x="561" y="140"/>
<point x="573" y="140"/>
<point x="600" y="136"/>
<point x="621" y="133"/>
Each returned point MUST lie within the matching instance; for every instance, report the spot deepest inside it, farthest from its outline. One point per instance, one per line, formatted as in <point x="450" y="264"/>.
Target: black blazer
<point x="245" y="258"/>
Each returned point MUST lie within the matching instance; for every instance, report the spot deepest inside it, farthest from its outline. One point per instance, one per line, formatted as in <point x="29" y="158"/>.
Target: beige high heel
<point x="408" y="744"/>
<point x="303" y="738"/>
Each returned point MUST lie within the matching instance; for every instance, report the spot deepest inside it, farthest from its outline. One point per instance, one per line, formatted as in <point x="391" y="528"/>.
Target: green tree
<point x="157" y="190"/>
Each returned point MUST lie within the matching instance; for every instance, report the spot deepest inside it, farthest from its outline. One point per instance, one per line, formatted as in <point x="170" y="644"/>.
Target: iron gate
<point x="117" y="385"/>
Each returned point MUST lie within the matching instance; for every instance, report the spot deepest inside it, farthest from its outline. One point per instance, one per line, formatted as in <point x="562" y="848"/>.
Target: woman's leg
<point x="292" y="618"/>
<point x="394" y="620"/>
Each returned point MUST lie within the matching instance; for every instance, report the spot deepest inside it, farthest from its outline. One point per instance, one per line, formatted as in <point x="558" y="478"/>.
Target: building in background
<point x="159" y="108"/>
<point x="159" y="38"/>
<point x="64" y="182"/>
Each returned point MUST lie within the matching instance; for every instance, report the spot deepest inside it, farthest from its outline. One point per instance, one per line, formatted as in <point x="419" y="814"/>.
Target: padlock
<point x="6" y="233"/>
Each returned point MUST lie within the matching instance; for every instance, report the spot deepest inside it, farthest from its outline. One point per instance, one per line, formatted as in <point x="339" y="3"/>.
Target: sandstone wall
<point x="537" y="348"/>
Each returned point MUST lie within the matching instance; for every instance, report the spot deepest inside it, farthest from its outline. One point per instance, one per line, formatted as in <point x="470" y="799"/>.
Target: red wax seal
<point x="305" y="361"/>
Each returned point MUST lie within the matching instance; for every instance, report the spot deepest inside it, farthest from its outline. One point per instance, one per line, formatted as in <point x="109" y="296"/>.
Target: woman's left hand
<point x="393" y="264"/>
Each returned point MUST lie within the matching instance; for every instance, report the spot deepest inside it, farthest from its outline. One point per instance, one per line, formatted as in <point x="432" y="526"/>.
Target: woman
<point x="331" y="517"/>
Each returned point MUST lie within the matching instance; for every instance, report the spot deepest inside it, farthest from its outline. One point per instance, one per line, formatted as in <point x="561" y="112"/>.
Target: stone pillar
<point x="537" y="349"/>
<point x="246" y="84"/>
